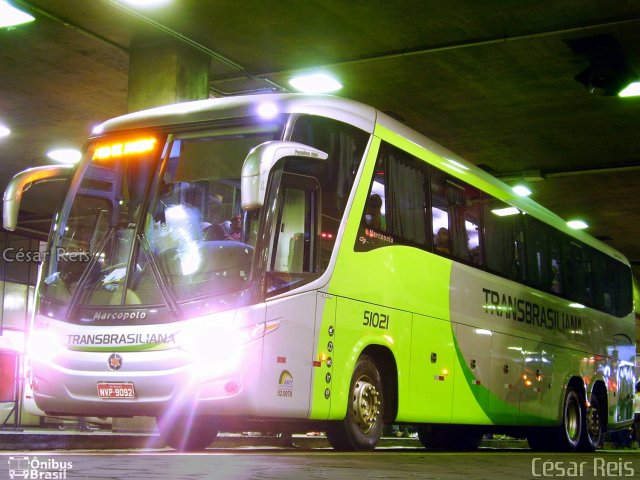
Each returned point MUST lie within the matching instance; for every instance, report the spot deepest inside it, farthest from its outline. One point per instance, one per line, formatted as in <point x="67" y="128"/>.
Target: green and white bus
<point x="291" y="263"/>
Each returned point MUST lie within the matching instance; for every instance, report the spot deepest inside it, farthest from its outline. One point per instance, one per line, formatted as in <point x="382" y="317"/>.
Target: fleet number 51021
<point x="375" y="320"/>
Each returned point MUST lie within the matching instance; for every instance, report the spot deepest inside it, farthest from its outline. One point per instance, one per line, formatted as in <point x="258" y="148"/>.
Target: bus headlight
<point x="218" y="344"/>
<point x="43" y="346"/>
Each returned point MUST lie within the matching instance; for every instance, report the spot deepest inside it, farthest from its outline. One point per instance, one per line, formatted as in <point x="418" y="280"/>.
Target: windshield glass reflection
<point x="158" y="227"/>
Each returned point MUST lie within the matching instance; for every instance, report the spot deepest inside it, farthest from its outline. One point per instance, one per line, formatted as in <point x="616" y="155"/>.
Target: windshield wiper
<point x="78" y="292"/>
<point x="157" y="275"/>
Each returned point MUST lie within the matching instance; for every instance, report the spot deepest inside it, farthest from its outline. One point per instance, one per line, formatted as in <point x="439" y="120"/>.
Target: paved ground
<point x="33" y="439"/>
<point x="313" y="464"/>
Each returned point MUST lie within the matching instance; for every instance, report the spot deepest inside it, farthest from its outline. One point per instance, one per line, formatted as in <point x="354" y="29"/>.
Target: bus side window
<point x="396" y="206"/>
<point x="374" y="212"/>
<point x="456" y="213"/>
<point x="472" y="218"/>
<point x="575" y="272"/>
<point x="345" y="146"/>
<point x="503" y="239"/>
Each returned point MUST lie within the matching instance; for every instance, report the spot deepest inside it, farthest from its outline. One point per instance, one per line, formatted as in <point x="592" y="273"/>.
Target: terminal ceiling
<point x="493" y="81"/>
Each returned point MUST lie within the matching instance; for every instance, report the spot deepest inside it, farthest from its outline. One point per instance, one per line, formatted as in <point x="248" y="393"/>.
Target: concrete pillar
<point x="166" y="72"/>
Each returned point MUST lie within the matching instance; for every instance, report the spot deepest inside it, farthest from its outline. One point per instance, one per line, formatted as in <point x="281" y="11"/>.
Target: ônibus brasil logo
<point x="35" y="468"/>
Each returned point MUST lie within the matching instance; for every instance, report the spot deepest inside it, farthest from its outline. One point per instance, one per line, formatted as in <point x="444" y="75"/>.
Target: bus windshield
<point x="156" y="223"/>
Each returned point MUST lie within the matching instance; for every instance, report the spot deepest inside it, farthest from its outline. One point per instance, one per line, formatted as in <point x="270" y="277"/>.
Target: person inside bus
<point x="441" y="242"/>
<point x="236" y="229"/>
<point x="373" y="212"/>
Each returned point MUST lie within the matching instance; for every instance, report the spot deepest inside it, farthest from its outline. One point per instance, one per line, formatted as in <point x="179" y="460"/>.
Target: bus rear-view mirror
<point x="21" y="182"/>
<point x="260" y="161"/>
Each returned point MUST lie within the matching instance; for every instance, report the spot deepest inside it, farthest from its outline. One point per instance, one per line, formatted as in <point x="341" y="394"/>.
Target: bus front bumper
<point x="146" y="384"/>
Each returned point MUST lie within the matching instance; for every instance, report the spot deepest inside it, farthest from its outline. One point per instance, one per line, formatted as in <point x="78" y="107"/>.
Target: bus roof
<point x="348" y="111"/>
<point x="351" y="112"/>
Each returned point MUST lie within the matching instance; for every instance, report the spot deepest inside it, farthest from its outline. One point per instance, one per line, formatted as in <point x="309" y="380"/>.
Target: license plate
<point x="116" y="391"/>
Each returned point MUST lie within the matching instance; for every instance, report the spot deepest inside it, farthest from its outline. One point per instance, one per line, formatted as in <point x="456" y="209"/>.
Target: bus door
<point x="292" y="263"/>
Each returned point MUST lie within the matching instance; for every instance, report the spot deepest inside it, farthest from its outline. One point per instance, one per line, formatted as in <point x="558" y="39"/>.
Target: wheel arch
<point x="576" y="382"/>
<point x="386" y="363"/>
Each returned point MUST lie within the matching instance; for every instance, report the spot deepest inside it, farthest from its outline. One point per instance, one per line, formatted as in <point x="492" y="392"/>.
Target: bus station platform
<point x="33" y="439"/>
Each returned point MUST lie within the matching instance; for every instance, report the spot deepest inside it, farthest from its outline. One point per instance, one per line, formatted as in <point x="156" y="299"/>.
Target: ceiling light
<point x="4" y="131"/>
<point x="64" y="155"/>
<point x="521" y="191"/>
<point x="145" y="3"/>
<point x="631" y="90"/>
<point x="505" y="212"/>
<point x="577" y="224"/>
<point x="315" y="83"/>
<point x="10" y="16"/>
<point x="267" y="110"/>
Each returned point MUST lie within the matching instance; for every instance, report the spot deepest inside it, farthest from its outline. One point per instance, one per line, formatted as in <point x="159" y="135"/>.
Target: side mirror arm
<point x="21" y="182"/>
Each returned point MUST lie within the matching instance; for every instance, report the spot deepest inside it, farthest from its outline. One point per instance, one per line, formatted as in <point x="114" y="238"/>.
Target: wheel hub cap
<point x="573" y="422"/>
<point x="366" y="404"/>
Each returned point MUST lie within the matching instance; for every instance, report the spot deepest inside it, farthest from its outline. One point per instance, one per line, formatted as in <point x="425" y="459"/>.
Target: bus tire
<point x="566" y="437"/>
<point x="362" y="425"/>
<point x="593" y="426"/>
<point x="188" y="433"/>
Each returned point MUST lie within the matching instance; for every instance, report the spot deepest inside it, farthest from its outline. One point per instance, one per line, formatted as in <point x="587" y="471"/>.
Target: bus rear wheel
<point x="362" y="426"/>
<point x="593" y="427"/>
<point x="566" y="437"/>
<point x="188" y="433"/>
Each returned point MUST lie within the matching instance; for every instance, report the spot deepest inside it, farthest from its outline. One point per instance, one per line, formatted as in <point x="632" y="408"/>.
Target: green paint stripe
<point x="507" y="410"/>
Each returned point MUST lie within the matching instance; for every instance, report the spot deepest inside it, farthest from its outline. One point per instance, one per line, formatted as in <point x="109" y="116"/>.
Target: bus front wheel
<point x="362" y="426"/>
<point x="187" y="433"/>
